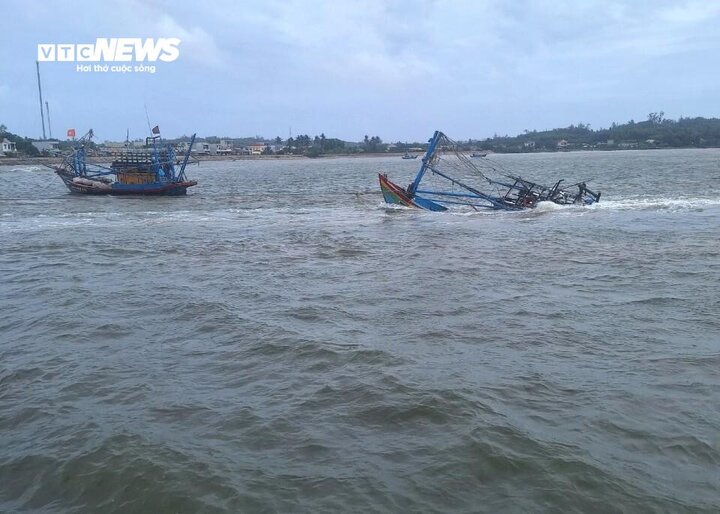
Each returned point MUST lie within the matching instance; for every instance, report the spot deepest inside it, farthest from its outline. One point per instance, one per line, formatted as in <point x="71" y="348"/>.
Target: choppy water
<point x="279" y="341"/>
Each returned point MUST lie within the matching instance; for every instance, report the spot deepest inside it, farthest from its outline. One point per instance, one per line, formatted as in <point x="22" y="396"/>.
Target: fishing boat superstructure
<point x="149" y="171"/>
<point x="451" y="172"/>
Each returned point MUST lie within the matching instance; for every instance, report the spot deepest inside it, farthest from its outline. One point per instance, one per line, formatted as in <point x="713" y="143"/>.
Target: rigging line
<point x="464" y="159"/>
<point x="296" y="193"/>
<point x="480" y="194"/>
<point x="147" y="117"/>
<point x="463" y="163"/>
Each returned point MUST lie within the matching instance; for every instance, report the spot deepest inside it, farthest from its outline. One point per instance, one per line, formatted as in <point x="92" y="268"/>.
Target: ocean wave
<point x="657" y="203"/>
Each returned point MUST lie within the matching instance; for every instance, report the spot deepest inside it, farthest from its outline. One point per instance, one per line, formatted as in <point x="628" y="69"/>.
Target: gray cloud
<point x="396" y="69"/>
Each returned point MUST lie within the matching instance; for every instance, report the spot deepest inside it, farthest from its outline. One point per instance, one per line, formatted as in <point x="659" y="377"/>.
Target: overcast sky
<point x="397" y="69"/>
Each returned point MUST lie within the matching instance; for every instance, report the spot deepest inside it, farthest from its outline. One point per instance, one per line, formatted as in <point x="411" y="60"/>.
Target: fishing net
<point x="451" y="170"/>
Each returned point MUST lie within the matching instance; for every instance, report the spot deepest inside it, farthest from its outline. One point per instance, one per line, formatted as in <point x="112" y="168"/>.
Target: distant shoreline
<point x="40" y="161"/>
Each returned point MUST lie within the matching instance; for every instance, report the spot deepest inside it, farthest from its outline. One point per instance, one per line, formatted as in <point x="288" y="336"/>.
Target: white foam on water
<point x="467" y="212"/>
<point x="625" y="204"/>
<point x="657" y="203"/>
<point x="26" y="169"/>
<point x="553" y="207"/>
<point x="394" y="207"/>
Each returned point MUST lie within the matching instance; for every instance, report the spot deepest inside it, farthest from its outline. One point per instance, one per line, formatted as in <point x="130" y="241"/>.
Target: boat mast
<point x="181" y="175"/>
<point x="426" y="160"/>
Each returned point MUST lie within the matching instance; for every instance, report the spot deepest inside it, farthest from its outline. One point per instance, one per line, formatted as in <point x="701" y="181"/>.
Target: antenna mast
<point x="47" y="109"/>
<point x="42" y="115"/>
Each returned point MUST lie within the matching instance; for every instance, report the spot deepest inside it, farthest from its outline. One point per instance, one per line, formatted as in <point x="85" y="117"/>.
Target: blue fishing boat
<point x="445" y="180"/>
<point x="151" y="171"/>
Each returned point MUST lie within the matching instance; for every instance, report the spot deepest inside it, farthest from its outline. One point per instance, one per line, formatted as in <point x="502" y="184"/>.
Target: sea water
<point x="281" y="341"/>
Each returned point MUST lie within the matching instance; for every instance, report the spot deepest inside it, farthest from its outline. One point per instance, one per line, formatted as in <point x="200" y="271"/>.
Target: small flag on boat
<point x="71" y="133"/>
<point x="156" y="129"/>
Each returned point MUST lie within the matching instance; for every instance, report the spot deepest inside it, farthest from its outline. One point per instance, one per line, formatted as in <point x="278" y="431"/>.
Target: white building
<point x="203" y="148"/>
<point x="256" y="148"/>
<point x="225" y="147"/>
<point x="48" y="146"/>
<point x="7" y="147"/>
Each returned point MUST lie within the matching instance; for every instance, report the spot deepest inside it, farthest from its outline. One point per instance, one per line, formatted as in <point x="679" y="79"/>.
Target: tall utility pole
<point x="47" y="110"/>
<point x="42" y="115"/>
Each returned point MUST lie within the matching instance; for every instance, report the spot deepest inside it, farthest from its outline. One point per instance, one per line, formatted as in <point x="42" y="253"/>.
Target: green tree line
<point x="22" y="144"/>
<point x="656" y="131"/>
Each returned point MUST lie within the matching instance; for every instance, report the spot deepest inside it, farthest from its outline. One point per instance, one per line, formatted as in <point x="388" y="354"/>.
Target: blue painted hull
<point x="118" y="189"/>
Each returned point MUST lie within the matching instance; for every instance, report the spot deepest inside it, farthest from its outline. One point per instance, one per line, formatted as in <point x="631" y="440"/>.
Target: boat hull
<point x="396" y="195"/>
<point x="118" y="189"/>
<point x="169" y="189"/>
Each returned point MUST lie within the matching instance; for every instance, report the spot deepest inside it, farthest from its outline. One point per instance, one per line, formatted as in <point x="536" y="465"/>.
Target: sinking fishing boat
<point x="150" y="171"/>
<point x="445" y="177"/>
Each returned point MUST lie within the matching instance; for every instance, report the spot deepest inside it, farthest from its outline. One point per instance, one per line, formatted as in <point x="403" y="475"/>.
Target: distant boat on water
<point x="477" y="155"/>
<point x="409" y="156"/>
<point x="148" y="172"/>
